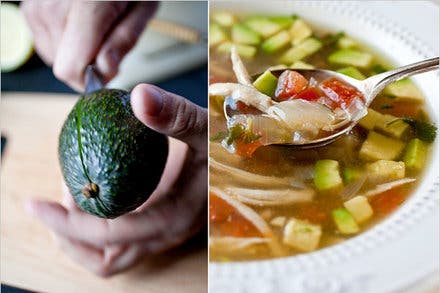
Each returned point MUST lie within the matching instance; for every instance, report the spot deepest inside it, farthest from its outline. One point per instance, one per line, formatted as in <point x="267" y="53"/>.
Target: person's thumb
<point x="171" y="115"/>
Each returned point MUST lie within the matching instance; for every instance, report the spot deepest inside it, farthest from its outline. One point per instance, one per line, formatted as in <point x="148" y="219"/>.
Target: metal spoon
<point x="369" y="87"/>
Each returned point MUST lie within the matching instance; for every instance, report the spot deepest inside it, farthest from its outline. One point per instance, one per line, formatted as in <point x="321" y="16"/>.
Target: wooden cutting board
<point x="29" y="257"/>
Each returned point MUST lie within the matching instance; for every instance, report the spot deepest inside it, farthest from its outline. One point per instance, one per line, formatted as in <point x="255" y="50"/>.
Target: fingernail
<point x="155" y="102"/>
<point x="108" y="62"/>
<point x="28" y="206"/>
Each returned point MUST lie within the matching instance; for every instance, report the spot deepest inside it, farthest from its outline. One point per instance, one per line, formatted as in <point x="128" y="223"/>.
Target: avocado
<point x="110" y="161"/>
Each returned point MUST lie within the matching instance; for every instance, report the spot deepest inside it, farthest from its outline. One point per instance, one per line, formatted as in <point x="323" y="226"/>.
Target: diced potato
<point x="224" y="18"/>
<point x="359" y="208"/>
<point x="385" y="171"/>
<point x="405" y="90"/>
<point x="299" y="31"/>
<point x="301" y="65"/>
<point x="392" y="127"/>
<point x="278" y="221"/>
<point x="385" y="123"/>
<point x="379" y="147"/>
<point x="371" y="119"/>
<point x="302" y="235"/>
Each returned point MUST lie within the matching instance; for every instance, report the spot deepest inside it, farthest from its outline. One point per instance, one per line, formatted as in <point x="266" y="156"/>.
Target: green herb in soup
<point x="272" y="201"/>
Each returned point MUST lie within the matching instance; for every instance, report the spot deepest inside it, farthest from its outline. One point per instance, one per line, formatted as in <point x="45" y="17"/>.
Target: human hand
<point x="173" y="213"/>
<point x="72" y="34"/>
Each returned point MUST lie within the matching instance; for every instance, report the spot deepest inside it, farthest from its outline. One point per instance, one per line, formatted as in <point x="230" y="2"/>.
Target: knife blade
<point x="93" y="79"/>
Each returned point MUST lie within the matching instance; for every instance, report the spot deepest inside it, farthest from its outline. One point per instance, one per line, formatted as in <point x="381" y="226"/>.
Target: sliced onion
<point x="351" y="189"/>
<point x="387" y="186"/>
<point x="235" y="244"/>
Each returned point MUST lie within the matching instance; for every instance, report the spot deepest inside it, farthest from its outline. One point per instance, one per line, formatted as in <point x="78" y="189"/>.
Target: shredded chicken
<point x="273" y="197"/>
<point x="240" y="71"/>
<point x="249" y="178"/>
<point x="230" y="244"/>
<point x="246" y="94"/>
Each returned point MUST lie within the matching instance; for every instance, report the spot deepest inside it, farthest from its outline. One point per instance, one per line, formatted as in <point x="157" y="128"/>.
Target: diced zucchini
<point x="266" y="83"/>
<point x="326" y="175"/>
<point x="385" y="171"/>
<point x="242" y="50"/>
<point x="404" y="90"/>
<point x="278" y="221"/>
<point x="371" y="119"/>
<point x="345" y="221"/>
<point x="379" y="147"/>
<point x="346" y="43"/>
<point x="385" y="123"/>
<point x="351" y="174"/>
<point x="216" y="35"/>
<point x="283" y="21"/>
<point x="301" y="65"/>
<point x="263" y="25"/>
<point x="241" y="34"/>
<point x="352" y="72"/>
<point x="391" y="126"/>
<point x="223" y="18"/>
<point x="415" y="154"/>
<point x="307" y="47"/>
<point x="359" y="208"/>
<point x="302" y="235"/>
<point x="299" y="31"/>
<point x="351" y="57"/>
<point x="276" y="42"/>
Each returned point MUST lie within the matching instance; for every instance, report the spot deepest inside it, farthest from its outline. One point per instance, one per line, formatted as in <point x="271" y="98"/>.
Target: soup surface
<point x="273" y="201"/>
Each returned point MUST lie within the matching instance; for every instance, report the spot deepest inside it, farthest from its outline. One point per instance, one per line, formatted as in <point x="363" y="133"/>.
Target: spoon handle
<point x="376" y="83"/>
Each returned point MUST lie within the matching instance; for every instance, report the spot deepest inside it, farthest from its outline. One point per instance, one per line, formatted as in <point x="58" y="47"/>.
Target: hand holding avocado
<point x="69" y="35"/>
<point x="175" y="210"/>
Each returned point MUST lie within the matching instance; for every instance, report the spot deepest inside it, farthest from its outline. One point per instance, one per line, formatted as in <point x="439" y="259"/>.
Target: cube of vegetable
<point x="301" y="65"/>
<point x="276" y="42"/>
<point x="216" y="35"/>
<point x="278" y="221"/>
<point x="302" y="235"/>
<point x="379" y="147"/>
<point x="326" y="175"/>
<point x="359" y="208"/>
<point x="385" y="171"/>
<point x="351" y="57"/>
<point x="299" y="31"/>
<point x="351" y="174"/>
<point x="224" y="18"/>
<point x="243" y="35"/>
<point x="415" y="154"/>
<point x="262" y="25"/>
<point x="345" y="42"/>
<point x="242" y="50"/>
<point x="405" y="90"/>
<point x="305" y="48"/>
<point x="283" y="21"/>
<point x="371" y="119"/>
<point x="344" y="221"/>
<point x="352" y="72"/>
<point x="391" y="126"/>
<point x="266" y="83"/>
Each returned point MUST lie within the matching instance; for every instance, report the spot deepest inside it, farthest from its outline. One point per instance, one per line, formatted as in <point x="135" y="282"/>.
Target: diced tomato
<point x="386" y="202"/>
<point x="246" y="150"/>
<point x="339" y="92"/>
<point x="289" y="84"/>
<point x="311" y="94"/>
<point x="228" y="221"/>
<point x="246" y="109"/>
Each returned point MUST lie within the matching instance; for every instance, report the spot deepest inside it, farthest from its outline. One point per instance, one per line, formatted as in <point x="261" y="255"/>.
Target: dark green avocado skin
<point x="122" y="156"/>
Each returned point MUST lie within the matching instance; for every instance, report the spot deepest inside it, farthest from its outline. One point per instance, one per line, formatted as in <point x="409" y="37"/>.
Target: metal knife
<point x="93" y="79"/>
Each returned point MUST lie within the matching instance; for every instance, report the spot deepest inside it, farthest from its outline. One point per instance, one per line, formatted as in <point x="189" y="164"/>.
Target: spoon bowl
<point x="369" y="88"/>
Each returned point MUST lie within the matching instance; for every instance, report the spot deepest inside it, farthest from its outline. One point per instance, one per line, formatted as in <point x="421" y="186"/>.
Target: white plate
<point x="403" y="249"/>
